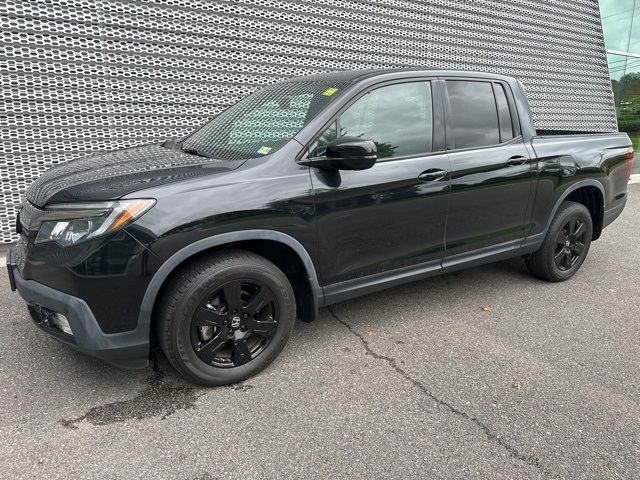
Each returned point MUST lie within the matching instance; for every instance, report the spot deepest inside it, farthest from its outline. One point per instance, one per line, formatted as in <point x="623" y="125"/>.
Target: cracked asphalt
<point x="415" y="382"/>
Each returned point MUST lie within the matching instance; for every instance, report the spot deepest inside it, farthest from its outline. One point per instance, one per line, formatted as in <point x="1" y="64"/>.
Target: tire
<point x="565" y="246"/>
<point x="225" y="317"/>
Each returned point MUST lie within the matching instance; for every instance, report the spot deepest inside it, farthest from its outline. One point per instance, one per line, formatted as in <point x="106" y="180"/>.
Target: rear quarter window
<point x="504" y="113"/>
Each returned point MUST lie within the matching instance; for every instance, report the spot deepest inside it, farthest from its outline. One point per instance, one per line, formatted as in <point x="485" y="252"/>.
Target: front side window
<point x="327" y="137"/>
<point x="263" y="122"/>
<point x="474" y="112"/>
<point x="398" y="118"/>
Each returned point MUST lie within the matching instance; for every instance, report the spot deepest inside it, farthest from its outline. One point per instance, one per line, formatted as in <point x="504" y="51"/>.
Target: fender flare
<point x="533" y="242"/>
<point x="151" y="294"/>
<point x="587" y="182"/>
<point x="572" y="188"/>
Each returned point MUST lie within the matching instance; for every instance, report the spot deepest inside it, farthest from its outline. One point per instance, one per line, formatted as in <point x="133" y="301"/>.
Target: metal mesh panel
<point x="81" y="76"/>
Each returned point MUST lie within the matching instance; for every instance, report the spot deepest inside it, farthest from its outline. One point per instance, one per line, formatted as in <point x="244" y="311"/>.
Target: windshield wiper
<point x="177" y="145"/>
<point x="171" y="143"/>
<point x="193" y="151"/>
<point x="174" y="144"/>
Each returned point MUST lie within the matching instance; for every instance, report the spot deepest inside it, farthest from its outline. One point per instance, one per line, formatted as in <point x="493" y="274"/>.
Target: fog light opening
<point x="61" y="323"/>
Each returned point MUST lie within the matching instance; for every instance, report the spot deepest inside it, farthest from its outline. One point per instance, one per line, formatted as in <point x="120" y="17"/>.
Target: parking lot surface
<point x="483" y="373"/>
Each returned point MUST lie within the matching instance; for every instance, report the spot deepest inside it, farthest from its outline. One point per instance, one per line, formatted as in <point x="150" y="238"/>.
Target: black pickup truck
<point x="306" y="193"/>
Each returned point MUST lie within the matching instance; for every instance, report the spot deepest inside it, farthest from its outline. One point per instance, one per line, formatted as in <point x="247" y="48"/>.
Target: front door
<point x="491" y="173"/>
<point x="392" y="215"/>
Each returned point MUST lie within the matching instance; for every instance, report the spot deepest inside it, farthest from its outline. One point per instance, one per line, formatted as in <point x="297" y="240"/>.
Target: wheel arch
<point x="307" y="300"/>
<point x="592" y="195"/>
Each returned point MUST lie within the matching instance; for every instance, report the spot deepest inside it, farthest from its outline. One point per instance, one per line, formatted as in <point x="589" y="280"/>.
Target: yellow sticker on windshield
<point x="329" y="91"/>
<point x="264" y="150"/>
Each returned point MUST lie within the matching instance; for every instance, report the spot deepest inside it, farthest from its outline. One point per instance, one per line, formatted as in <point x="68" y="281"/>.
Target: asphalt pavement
<point x="483" y="373"/>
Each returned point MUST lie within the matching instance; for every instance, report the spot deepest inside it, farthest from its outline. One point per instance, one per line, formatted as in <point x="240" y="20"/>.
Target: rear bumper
<point x="612" y="214"/>
<point x="126" y="349"/>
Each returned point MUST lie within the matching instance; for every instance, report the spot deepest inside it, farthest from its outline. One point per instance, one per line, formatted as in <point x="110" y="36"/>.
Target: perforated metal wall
<point x="80" y="76"/>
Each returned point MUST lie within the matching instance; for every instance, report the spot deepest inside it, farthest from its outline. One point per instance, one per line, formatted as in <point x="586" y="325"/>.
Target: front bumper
<point x="126" y="349"/>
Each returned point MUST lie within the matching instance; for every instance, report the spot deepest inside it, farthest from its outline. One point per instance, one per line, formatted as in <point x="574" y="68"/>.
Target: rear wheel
<point x="226" y="317"/>
<point x="566" y="245"/>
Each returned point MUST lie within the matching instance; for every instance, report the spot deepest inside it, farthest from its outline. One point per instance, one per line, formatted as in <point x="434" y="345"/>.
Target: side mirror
<point x="347" y="153"/>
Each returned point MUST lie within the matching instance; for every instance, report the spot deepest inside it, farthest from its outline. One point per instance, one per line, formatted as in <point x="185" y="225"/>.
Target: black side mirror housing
<point x="346" y="153"/>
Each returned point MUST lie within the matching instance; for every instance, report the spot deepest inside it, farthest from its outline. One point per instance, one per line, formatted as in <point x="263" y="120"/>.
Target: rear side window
<point x="475" y="116"/>
<point x="504" y="114"/>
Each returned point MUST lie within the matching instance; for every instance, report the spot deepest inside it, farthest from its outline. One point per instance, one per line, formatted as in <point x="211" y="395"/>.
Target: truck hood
<point x="111" y="175"/>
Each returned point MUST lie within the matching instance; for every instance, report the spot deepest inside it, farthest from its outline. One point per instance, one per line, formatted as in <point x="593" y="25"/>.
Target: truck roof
<point x="353" y="76"/>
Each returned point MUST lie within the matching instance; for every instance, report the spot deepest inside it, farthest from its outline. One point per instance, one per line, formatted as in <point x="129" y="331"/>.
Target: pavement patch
<point x="159" y="398"/>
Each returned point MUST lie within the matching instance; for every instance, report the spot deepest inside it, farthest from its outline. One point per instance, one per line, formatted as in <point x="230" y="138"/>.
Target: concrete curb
<point x="635" y="178"/>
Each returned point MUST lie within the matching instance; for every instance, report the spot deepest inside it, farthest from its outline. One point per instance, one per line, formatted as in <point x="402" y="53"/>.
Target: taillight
<point x="629" y="162"/>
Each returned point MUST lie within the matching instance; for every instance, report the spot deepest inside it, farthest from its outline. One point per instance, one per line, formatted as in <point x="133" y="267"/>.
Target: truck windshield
<point x="263" y="122"/>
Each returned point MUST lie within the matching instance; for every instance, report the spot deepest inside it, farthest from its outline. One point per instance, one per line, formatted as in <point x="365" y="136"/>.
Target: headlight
<point x="70" y="223"/>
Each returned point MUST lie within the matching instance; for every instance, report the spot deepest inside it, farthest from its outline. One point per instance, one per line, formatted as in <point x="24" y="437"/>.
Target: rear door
<point x="393" y="214"/>
<point x="491" y="171"/>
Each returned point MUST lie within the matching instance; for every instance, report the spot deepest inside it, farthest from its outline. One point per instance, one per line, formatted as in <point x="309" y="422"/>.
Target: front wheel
<point x="226" y="317"/>
<point x="566" y="245"/>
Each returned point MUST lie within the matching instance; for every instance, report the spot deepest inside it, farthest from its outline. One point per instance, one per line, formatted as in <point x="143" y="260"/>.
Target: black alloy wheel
<point x="235" y="324"/>
<point x="224" y="317"/>
<point x="566" y="244"/>
<point x="570" y="243"/>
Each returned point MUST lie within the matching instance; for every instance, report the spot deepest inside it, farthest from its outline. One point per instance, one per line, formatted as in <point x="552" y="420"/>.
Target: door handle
<point x="429" y="175"/>
<point x="517" y="160"/>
